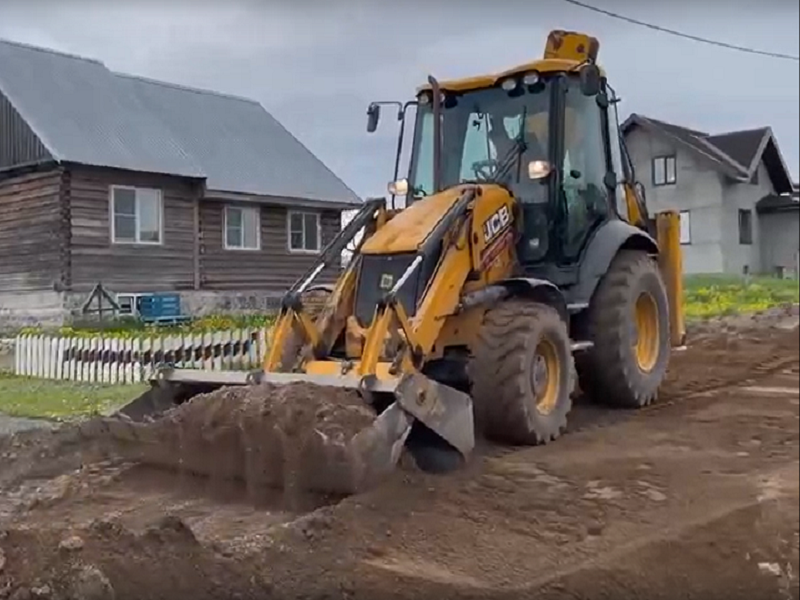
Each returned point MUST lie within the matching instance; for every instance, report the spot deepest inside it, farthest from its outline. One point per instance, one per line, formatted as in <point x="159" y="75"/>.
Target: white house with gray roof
<point x="739" y="206"/>
<point x="145" y="186"/>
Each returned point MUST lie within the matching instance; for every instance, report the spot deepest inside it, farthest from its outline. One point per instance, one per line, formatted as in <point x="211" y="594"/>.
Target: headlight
<point x="531" y="78"/>
<point x="399" y="187"/>
<point x="538" y="169"/>
<point x="424" y="99"/>
<point x="509" y="84"/>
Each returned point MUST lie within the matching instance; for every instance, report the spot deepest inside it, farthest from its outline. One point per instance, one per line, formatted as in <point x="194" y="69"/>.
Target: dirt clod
<point x="172" y="527"/>
<point x="90" y="583"/>
<point x="21" y="593"/>
<point x="71" y="544"/>
<point x="41" y="591"/>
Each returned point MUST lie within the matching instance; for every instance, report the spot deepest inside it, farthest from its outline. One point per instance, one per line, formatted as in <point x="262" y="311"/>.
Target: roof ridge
<point x="763" y="128"/>
<point x="694" y="132"/>
<point x="60" y="53"/>
<point x="185" y="88"/>
<point x="701" y="145"/>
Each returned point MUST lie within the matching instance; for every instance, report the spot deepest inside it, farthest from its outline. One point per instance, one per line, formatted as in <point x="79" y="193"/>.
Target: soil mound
<point x="292" y="437"/>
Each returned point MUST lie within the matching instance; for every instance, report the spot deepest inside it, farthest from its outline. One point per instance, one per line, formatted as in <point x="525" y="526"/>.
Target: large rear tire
<point x="522" y="374"/>
<point x="628" y="322"/>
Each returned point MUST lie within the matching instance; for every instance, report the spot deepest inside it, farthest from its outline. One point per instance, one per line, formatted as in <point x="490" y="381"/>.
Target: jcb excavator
<point x="523" y="260"/>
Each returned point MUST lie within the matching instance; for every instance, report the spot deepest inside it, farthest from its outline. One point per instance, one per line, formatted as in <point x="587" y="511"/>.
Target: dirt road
<point x="695" y="497"/>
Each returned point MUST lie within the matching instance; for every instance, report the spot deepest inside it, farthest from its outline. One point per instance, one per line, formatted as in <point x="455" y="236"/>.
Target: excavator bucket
<point x="320" y="456"/>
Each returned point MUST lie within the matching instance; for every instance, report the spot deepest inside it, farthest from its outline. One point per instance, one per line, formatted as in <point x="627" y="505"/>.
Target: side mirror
<point x="590" y="79"/>
<point x="373" y="116"/>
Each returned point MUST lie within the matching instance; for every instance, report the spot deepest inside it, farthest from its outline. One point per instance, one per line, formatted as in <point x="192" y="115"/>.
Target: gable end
<point x="776" y="167"/>
<point x="19" y="145"/>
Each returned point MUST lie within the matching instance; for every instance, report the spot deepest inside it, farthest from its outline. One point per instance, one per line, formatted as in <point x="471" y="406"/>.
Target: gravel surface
<point x="9" y="425"/>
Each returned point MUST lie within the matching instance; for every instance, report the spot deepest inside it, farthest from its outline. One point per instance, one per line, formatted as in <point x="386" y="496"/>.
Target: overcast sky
<point x="315" y="65"/>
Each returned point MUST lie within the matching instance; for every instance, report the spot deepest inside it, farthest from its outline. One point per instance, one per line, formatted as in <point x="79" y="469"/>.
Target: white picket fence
<point x="107" y="359"/>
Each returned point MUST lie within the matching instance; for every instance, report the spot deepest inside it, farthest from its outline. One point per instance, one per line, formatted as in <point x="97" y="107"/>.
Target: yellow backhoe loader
<point x="523" y="261"/>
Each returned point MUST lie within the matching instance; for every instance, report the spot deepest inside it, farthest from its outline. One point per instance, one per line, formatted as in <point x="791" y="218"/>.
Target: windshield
<point x="487" y="135"/>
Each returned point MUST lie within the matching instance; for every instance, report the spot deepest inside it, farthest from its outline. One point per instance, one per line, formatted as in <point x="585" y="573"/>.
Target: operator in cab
<point x="531" y="192"/>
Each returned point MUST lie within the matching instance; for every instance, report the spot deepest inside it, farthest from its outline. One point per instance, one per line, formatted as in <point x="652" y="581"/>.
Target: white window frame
<point x="666" y="159"/>
<point x="137" y="228"/>
<point x="318" y="223"/>
<point x="256" y="212"/>
<point x="687" y="240"/>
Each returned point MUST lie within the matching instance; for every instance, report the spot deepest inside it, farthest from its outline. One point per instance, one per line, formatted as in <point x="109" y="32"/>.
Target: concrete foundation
<point x="205" y="302"/>
<point x="53" y="309"/>
<point x="29" y="309"/>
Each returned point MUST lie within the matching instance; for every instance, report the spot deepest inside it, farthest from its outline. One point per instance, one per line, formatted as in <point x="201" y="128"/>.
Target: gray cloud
<point x="316" y="65"/>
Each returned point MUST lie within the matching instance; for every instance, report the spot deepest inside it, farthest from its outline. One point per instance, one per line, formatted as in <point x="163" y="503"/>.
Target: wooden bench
<point x="160" y="309"/>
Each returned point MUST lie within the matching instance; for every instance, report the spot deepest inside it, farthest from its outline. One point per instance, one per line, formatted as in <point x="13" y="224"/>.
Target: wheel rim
<point x="647" y="333"/>
<point x="546" y="377"/>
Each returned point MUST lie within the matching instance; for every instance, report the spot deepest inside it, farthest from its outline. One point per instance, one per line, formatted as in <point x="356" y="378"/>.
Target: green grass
<point x="719" y="295"/>
<point x="60" y="400"/>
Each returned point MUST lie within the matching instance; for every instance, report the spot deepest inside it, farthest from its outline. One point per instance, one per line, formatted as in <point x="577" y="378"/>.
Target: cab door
<point x="584" y="198"/>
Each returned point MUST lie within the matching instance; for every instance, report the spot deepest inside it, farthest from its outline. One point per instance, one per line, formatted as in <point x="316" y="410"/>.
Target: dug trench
<point x="697" y="493"/>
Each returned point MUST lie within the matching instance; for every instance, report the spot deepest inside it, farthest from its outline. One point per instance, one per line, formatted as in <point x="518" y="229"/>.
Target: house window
<point x="137" y="216"/>
<point x="242" y="228"/>
<point x="745" y="227"/>
<point x="664" y="170"/>
<point x="304" y="232"/>
<point x="686" y="227"/>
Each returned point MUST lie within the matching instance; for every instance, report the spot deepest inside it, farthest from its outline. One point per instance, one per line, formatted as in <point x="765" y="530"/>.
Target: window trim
<point x="137" y="231"/>
<point x="243" y="248"/>
<point x="665" y="158"/>
<point x="689" y="214"/>
<point x="739" y="214"/>
<point x="318" y="221"/>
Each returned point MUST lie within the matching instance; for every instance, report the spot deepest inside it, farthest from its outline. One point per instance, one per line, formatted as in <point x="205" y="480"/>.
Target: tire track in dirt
<point x="589" y="417"/>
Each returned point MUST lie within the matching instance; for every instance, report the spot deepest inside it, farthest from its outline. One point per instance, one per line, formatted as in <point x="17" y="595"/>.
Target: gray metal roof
<point x="240" y="145"/>
<point x="82" y="115"/>
<point x="85" y="113"/>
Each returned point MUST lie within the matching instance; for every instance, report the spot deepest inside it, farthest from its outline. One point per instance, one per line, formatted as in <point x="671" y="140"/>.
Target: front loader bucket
<point x="290" y="430"/>
<point x="348" y="465"/>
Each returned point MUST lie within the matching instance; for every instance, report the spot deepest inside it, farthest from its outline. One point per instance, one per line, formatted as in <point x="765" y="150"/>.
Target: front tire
<point x="628" y="321"/>
<point x="522" y="374"/>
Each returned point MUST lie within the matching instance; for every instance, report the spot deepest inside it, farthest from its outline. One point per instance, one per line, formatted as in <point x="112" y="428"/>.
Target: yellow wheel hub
<point x="647" y="332"/>
<point x="546" y="377"/>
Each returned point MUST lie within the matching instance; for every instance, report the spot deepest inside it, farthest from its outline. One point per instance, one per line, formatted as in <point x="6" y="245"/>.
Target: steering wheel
<point x="481" y="168"/>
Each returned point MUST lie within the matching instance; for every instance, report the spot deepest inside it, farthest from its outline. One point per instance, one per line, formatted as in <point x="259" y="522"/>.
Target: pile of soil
<point x="293" y="437"/>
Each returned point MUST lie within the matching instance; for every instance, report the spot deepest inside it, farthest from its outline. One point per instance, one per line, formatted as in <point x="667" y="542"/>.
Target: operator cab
<point x="543" y="131"/>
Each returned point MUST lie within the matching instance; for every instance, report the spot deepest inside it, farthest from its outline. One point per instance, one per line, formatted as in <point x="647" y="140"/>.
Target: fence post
<point x="18" y="350"/>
